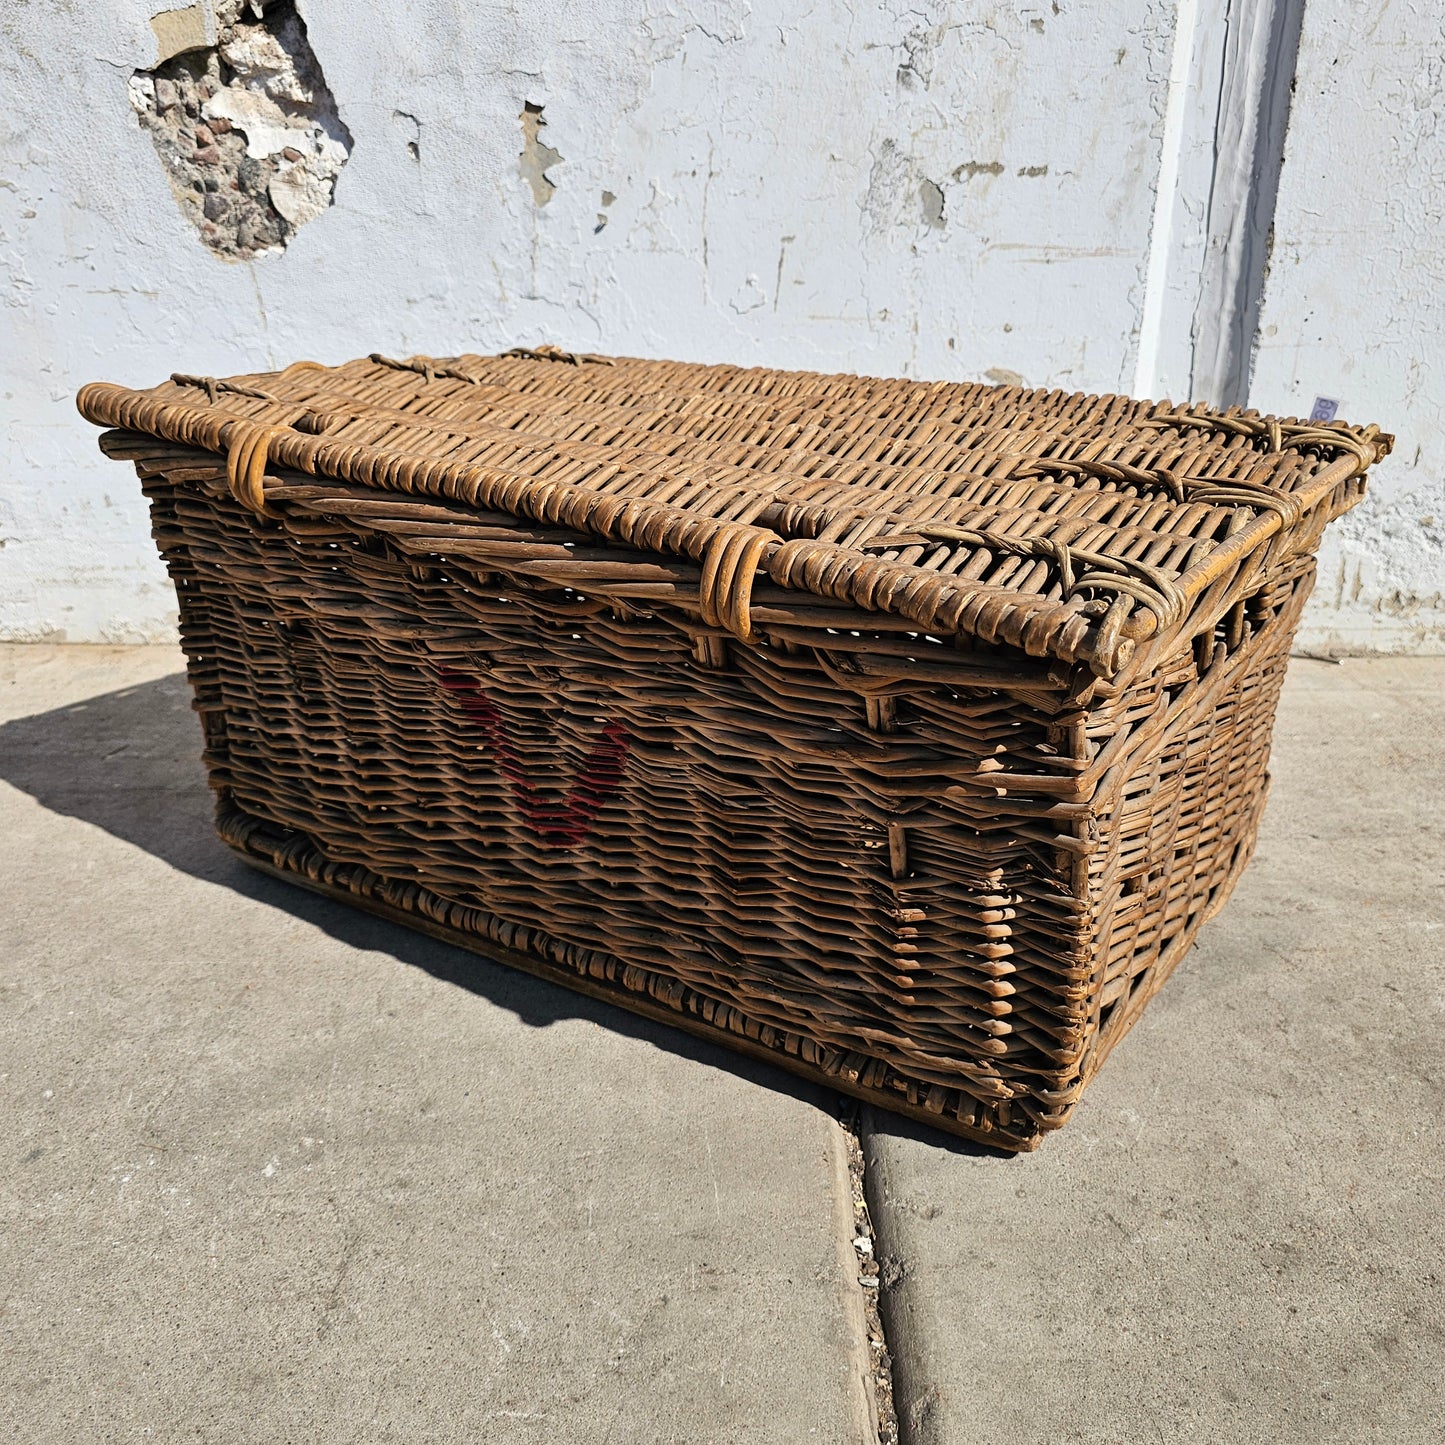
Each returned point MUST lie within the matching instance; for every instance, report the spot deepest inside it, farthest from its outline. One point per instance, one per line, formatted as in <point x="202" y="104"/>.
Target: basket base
<point x="994" y="1140"/>
<point x="294" y="859"/>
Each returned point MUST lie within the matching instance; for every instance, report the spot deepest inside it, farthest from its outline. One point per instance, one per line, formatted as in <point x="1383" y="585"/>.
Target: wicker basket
<point x="902" y="734"/>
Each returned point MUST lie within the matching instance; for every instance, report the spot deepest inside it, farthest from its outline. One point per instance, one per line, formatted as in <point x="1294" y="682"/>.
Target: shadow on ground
<point x="128" y="762"/>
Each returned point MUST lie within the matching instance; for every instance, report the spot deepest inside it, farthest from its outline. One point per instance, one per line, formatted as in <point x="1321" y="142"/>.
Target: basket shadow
<point x="128" y="762"/>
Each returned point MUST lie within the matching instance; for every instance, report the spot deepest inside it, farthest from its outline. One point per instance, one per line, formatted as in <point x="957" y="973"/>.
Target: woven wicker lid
<point x="1070" y="527"/>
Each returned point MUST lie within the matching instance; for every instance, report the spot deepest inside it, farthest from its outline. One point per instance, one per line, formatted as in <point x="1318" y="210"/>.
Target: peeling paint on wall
<point x="930" y="194"/>
<point x="244" y="125"/>
<point x="537" y="157"/>
<point x="920" y="47"/>
<point x="895" y="189"/>
<point x="412" y="128"/>
<point x="969" y="169"/>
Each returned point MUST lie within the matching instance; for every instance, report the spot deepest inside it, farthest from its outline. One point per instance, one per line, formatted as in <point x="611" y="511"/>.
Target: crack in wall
<point x="247" y="131"/>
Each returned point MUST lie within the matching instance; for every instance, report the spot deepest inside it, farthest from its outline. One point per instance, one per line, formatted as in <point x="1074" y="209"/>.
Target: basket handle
<point x="248" y="450"/>
<point x="729" y="566"/>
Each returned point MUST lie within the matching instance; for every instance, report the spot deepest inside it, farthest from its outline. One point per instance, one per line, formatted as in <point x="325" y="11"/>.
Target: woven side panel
<point x="1180" y="826"/>
<point x="732" y="837"/>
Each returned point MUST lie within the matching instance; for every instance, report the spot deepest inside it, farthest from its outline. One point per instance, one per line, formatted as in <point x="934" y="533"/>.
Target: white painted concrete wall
<point x="778" y="172"/>
<point x="1354" y="305"/>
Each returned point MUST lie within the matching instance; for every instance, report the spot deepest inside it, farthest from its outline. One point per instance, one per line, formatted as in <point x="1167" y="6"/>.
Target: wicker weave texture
<point x="619" y="671"/>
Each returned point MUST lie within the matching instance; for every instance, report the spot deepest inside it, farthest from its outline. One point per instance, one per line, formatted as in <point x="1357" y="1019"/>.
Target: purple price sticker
<point x="1324" y="409"/>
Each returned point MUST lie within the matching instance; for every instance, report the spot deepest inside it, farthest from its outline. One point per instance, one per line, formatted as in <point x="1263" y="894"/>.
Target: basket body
<point x="744" y="848"/>
<point x="929" y="820"/>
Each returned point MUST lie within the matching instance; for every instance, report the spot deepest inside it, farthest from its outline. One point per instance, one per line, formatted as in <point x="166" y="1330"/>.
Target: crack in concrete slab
<point x="862" y="1261"/>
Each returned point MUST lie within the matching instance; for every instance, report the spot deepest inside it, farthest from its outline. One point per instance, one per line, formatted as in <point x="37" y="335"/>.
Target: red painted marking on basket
<point x="559" y="825"/>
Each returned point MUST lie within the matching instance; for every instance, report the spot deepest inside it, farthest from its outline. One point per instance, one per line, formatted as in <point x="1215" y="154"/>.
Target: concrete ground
<point x="277" y="1171"/>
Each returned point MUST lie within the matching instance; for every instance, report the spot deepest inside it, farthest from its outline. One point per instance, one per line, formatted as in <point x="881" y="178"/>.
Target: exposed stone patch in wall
<point x="536" y="155"/>
<point x="246" y="129"/>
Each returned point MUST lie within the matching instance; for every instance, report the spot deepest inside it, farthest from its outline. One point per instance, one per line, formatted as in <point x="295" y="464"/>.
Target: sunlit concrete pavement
<point x="274" y="1170"/>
